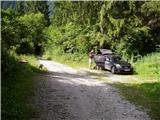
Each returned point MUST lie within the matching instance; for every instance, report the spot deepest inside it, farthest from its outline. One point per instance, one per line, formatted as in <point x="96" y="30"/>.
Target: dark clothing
<point x="91" y="54"/>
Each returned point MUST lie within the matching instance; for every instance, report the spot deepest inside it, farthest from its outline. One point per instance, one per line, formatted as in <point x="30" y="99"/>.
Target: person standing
<point x="91" y="58"/>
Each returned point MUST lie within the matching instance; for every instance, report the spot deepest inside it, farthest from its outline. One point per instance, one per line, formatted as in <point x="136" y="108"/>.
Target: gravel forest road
<point x="64" y="93"/>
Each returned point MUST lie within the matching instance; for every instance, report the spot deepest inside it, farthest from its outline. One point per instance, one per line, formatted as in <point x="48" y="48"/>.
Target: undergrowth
<point x="149" y="66"/>
<point x="17" y="86"/>
<point x="75" y="60"/>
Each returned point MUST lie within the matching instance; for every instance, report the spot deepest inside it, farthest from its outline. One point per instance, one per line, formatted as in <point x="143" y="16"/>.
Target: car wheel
<point x="113" y="69"/>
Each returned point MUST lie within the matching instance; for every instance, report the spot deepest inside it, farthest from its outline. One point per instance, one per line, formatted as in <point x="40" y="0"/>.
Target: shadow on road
<point x="63" y="95"/>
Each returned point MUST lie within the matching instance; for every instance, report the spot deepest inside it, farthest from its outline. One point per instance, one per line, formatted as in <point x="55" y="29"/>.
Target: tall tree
<point x="21" y="8"/>
<point x="128" y="27"/>
<point x="43" y="7"/>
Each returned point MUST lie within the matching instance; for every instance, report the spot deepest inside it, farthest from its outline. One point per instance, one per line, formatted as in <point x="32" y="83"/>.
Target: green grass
<point x="145" y="91"/>
<point x="149" y="66"/>
<point x="146" y="95"/>
<point x="17" y="88"/>
<point x="74" y="60"/>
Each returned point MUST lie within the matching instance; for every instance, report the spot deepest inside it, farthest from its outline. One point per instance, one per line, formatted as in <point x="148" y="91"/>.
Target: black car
<point x="101" y="57"/>
<point x="110" y="61"/>
<point x="115" y="64"/>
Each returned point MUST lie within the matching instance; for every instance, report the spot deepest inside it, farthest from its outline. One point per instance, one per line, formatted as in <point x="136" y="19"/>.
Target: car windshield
<point x="116" y="58"/>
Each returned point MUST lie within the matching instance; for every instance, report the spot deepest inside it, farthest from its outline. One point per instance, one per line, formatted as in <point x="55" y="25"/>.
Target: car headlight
<point x="118" y="66"/>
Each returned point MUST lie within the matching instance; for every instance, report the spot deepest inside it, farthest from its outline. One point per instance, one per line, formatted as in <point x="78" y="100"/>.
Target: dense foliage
<point x="23" y="29"/>
<point x="22" y="32"/>
<point x="130" y="28"/>
<point x="23" y="26"/>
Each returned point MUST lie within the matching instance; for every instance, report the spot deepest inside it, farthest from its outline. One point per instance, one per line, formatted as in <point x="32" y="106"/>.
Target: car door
<point x="108" y="64"/>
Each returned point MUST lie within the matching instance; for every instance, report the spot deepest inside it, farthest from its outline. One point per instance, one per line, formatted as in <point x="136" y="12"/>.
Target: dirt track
<point x="68" y="94"/>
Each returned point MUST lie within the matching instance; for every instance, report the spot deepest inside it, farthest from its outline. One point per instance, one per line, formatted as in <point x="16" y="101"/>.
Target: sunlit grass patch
<point x="149" y="66"/>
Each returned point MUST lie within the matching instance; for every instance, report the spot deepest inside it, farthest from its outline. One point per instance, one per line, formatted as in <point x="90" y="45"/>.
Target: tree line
<point x="23" y="26"/>
<point x="130" y="28"/>
<point x="22" y="31"/>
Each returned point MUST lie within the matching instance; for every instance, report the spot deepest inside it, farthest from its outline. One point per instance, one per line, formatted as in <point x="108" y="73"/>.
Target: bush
<point x="17" y="86"/>
<point x="149" y="66"/>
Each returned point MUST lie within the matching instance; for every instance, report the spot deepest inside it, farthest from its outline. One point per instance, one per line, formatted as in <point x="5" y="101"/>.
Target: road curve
<point x="68" y="94"/>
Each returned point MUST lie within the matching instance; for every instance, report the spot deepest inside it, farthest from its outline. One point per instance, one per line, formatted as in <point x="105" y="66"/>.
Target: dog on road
<point x="41" y="66"/>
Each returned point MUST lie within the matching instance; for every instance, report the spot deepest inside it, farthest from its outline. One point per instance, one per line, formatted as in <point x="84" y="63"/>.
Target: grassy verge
<point x="149" y="66"/>
<point x="74" y="60"/>
<point x="145" y="91"/>
<point x="146" y="95"/>
<point x="17" y="87"/>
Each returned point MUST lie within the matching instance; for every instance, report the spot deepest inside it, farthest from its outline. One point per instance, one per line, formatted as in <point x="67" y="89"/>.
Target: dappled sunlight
<point x="86" y="98"/>
<point x="108" y="77"/>
<point x="80" y="96"/>
<point x="75" y="79"/>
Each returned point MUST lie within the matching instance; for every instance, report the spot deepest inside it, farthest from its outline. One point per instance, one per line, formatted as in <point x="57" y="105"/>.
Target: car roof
<point x="112" y="55"/>
<point x="106" y="51"/>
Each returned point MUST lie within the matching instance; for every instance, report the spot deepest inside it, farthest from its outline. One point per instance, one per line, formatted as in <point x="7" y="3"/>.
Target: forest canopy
<point x="129" y="28"/>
